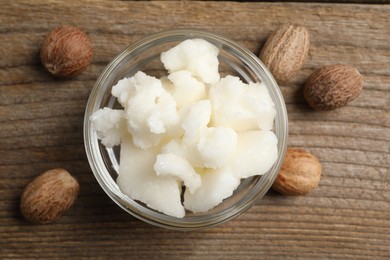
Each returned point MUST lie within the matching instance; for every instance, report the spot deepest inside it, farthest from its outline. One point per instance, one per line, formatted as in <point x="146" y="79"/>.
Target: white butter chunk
<point x="197" y="118"/>
<point x="138" y="180"/>
<point x="151" y="111"/>
<point x="195" y="55"/>
<point x="216" y="146"/>
<point x="255" y="154"/>
<point x="173" y="165"/>
<point x="184" y="149"/>
<point x="241" y="106"/>
<point x="193" y="119"/>
<point x="217" y="185"/>
<point x="123" y="90"/>
<point x="110" y="125"/>
<point x="186" y="88"/>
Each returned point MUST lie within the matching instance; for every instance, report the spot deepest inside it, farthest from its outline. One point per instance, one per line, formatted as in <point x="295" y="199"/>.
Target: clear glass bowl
<point x="145" y="56"/>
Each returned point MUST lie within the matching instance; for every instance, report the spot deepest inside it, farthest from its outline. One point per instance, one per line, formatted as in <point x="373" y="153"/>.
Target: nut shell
<point x="66" y="51"/>
<point x="285" y="51"/>
<point x="300" y="173"/>
<point x="48" y="196"/>
<point x="333" y="86"/>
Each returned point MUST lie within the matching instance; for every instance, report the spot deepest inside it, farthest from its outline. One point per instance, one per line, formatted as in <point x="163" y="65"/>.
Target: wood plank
<point x="305" y="1"/>
<point x="331" y="1"/>
<point x="41" y="120"/>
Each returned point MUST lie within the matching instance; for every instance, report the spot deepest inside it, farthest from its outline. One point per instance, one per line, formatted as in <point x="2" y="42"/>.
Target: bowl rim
<point x="144" y="213"/>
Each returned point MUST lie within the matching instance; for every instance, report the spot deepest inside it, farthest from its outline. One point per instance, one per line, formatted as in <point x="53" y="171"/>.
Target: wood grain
<point x="41" y="119"/>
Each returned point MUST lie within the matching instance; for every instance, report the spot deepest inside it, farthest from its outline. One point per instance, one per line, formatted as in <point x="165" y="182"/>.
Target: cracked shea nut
<point x="66" y="51"/>
<point x="285" y="51"/>
<point x="300" y="173"/>
<point x="48" y="196"/>
<point x="333" y="86"/>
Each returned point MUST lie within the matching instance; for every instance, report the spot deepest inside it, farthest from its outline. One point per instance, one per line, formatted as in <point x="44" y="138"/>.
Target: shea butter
<point x="187" y="139"/>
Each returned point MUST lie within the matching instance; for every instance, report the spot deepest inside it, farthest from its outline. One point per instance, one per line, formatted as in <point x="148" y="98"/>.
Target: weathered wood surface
<point x="41" y="121"/>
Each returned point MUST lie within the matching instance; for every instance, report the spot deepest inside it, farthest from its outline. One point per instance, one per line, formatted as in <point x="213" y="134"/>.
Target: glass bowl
<point x="145" y="56"/>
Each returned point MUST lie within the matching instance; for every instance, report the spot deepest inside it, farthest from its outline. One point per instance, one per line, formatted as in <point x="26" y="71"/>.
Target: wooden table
<point x="41" y="120"/>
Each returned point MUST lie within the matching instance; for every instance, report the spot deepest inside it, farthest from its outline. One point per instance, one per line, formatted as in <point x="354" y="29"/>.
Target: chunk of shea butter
<point x="124" y="89"/>
<point x="151" y="111"/>
<point x="138" y="180"/>
<point x="241" y="106"/>
<point x="194" y="119"/>
<point x="216" y="146"/>
<point x="195" y="55"/>
<point x="255" y="153"/>
<point x="186" y="88"/>
<point x="203" y="146"/>
<point x="110" y="125"/>
<point x="217" y="185"/>
<point x="173" y="165"/>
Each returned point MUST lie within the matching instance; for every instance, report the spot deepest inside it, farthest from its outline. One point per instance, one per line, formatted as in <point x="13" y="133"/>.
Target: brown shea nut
<point x="48" y="196"/>
<point x="285" y="51"/>
<point x="333" y="86"/>
<point x="300" y="173"/>
<point x="66" y="51"/>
